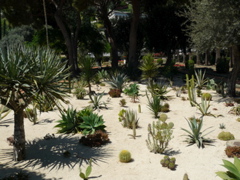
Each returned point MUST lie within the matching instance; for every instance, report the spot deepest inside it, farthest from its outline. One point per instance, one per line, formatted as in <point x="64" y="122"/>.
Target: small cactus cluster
<point x="165" y="108"/>
<point x="125" y="156"/>
<point x="207" y="96"/>
<point x="168" y="162"/>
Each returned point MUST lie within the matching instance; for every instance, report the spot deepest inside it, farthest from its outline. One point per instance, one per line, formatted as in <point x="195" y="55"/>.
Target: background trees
<point x="215" y="24"/>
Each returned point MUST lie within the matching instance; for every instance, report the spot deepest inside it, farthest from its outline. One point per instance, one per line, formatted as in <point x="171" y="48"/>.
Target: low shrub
<point x="225" y="136"/>
<point x="125" y="156"/>
<point x="97" y="139"/>
<point x="114" y="93"/>
<point x="232" y="151"/>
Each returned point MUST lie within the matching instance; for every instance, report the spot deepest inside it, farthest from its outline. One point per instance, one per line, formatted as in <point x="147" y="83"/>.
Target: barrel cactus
<point x="125" y="156"/>
<point x="207" y="96"/>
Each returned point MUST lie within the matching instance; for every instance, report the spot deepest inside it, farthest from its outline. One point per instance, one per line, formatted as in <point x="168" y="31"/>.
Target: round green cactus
<point x="225" y="136"/>
<point x="171" y="166"/>
<point x="207" y="96"/>
<point x="163" y="117"/>
<point x="125" y="156"/>
<point x="170" y="125"/>
<point x="173" y="160"/>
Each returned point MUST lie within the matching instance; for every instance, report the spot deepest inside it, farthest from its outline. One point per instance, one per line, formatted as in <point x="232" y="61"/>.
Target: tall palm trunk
<point x="133" y="60"/>
<point x="19" y="136"/>
<point x="235" y="71"/>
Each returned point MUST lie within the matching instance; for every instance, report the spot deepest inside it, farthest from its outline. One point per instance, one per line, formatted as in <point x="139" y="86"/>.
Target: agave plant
<point x="92" y="123"/>
<point x="200" y="80"/>
<point x="195" y="135"/>
<point x="69" y="122"/>
<point x="233" y="172"/>
<point x="96" y="101"/>
<point x="154" y="104"/>
<point x="117" y="80"/>
<point x="203" y="107"/>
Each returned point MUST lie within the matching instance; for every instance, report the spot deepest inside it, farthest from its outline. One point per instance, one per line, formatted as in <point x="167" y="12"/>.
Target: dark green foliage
<point x="92" y="123"/>
<point x="222" y="65"/>
<point x="132" y="91"/>
<point x="44" y="105"/>
<point x="226" y="136"/>
<point x="114" y="93"/>
<point x="195" y="135"/>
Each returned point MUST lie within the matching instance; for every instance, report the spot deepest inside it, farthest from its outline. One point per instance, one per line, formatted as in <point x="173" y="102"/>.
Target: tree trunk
<point x="198" y="59"/>
<point x="71" y="43"/>
<point x="234" y="73"/>
<point x="218" y="55"/>
<point x="19" y="136"/>
<point x="206" y="57"/>
<point x="133" y="60"/>
<point x="111" y="40"/>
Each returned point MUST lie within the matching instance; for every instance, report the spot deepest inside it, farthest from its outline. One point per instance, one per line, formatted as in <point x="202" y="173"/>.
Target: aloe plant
<point x="233" y="172"/>
<point x="92" y="123"/>
<point x="200" y="80"/>
<point x="203" y="107"/>
<point x="195" y="135"/>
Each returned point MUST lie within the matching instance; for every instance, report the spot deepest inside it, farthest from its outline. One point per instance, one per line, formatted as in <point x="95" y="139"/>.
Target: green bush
<point x="225" y="136"/>
<point x="207" y="96"/>
<point x="125" y="156"/>
<point x="132" y="91"/>
<point x="222" y="65"/>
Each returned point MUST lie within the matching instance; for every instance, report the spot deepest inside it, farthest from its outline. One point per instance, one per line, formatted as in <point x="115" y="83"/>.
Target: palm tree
<point x="25" y="74"/>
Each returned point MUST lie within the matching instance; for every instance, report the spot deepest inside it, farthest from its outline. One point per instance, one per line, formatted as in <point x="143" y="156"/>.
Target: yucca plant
<point x="195" y="135"/>
<point x="117" y="80"/>
<point x="200" y="80"/>
<point x="203" y="107"/>
<point x="149" y="68"/>
<point x="233" y="170"/>
<point x="25" y="74"/>
<point x="154" y="104"/>
<point x="96" y="101"/>
<point x="92" y="123"/>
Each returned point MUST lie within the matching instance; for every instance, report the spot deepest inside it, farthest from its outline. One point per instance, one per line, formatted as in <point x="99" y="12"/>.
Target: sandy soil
<point x="45" y="160"/>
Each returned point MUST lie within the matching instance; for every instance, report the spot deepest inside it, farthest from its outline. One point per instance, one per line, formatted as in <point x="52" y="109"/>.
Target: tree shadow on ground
<point x="56" y="153"/>
<point x="6" y="122"/>
<point x="10" y="171"/>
